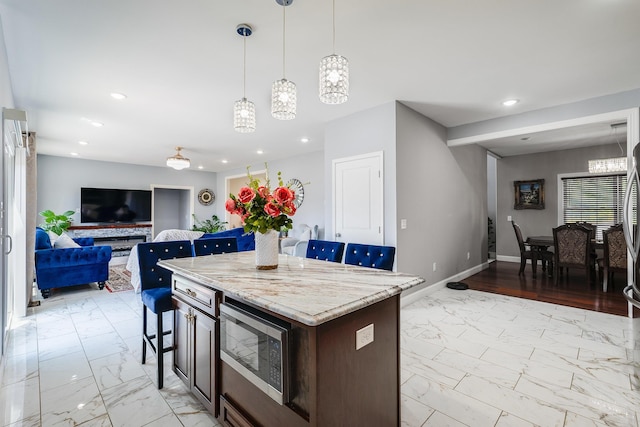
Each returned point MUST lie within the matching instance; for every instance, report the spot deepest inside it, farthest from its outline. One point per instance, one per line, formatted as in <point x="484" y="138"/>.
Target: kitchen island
<point x="341" y="354"/>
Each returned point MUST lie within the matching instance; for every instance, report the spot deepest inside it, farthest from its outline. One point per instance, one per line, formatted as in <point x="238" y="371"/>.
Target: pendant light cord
<point x="334" y="27"/>
<point x="284" y="37"/>
<point x="244" y="66"/>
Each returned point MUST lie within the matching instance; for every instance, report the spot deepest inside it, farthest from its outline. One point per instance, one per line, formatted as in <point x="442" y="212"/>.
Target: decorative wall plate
<point x="297" y="186"/>
<point x="206" y="197"/>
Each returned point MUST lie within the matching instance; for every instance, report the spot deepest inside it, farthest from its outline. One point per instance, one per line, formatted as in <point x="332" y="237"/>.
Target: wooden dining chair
<point x="526" y="252"/>
<point x="615" y="255"/>
<point x="572" y="245"/>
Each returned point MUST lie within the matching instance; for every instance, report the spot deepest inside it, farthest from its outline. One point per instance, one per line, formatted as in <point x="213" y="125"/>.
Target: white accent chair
<point x="297" y="244"/>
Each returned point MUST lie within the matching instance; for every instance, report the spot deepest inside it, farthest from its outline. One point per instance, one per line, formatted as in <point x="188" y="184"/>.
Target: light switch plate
<point x="364" y="336"/>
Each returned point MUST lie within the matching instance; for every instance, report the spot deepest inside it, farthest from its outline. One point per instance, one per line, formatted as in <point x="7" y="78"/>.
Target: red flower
<point x="290" y="208"/>
<point x="283" y="195"/>
<point x="263" y="191"/>
<point x="246" y="194"/>
<point x="271" y="209"/>
<point x="230" y="206"/>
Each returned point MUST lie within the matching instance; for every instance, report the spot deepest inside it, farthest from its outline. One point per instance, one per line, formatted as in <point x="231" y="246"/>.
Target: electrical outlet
<point x="434" y="266"/>
<point x="509" y="218"/>
<point x="403" y="224"/>
<point x="364" y="336"/>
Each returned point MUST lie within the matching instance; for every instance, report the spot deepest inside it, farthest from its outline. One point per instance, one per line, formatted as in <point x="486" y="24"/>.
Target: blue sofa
<point x="246" y="241"/>
<point x="59" y="267"/>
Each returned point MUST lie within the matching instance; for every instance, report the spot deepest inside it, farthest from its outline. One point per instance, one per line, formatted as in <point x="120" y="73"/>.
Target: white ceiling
<point x="180" y="64"/>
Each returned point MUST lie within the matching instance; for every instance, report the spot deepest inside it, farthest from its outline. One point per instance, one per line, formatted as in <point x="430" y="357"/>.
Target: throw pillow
<point x="64" y="241"/>
<point x="52" y="237"/>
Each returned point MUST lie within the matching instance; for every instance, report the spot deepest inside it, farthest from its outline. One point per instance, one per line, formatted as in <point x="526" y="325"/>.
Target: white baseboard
<point x="509" y="258"/>
<point x="423" y="290"/>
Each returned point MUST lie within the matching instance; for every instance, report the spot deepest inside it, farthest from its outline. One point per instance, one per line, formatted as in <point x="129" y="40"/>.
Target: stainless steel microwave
<point x="256" y="345"/>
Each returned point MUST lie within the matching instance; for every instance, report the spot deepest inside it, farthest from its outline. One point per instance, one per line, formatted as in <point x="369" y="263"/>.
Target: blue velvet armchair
<point x="59" y="267"/>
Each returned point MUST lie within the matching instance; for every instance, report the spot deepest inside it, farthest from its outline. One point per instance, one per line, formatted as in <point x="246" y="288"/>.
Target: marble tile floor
<point x="468" y="359"/>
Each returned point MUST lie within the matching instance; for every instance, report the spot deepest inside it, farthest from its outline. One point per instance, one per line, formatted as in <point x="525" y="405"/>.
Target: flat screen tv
<point x="114" y="205"/>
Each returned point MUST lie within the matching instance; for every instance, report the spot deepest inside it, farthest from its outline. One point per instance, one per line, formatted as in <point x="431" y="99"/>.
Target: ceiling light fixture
<point x="260" y="152"/>
<point x="225" y="161"/>
<point x="510" y="102"/>
<point x="334" y="74"/>
<point x="618" y="164"/>
<point x="304" y="140"/>
<point x="97" y="124"/>
<point x="244" y="111"/>
<point x="74" y="154"/>
<point x="283" y="92"/>
<point x="83" y="143"/>
<point x="118" y="96"/>
<point x="178" y="162"/>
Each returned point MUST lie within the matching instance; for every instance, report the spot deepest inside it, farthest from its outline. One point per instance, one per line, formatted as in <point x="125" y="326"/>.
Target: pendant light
<point x="244" y="112"/>
<point x="283" y="92"/>
<point x="178" y="162"/>
<point x="334" y="74"/>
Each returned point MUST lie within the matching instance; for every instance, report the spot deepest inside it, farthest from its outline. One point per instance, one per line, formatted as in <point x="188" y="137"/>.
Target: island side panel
<point x="359" y="387"/>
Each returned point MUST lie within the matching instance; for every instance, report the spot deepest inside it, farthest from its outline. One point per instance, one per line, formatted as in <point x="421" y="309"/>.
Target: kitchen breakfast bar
<point x="312" y="343"/>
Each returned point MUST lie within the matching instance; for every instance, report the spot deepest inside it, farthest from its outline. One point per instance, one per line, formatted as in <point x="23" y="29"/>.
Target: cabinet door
<point x="181" y="320"/>
<point x="204" y="359"/>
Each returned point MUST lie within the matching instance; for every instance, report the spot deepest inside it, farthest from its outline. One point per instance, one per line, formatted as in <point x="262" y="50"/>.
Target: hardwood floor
<point x="573" y="290"/>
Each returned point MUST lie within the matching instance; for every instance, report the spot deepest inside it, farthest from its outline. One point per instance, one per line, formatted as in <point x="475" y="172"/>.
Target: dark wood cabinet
<point x="196" y="335"/>
<point x="231" y="417"/>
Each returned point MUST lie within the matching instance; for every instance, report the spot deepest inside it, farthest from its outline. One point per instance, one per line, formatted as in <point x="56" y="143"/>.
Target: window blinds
<point x="598" y="200"/>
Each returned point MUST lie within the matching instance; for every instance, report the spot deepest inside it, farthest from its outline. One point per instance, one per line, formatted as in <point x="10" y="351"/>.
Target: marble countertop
<point x="306" y="290"/>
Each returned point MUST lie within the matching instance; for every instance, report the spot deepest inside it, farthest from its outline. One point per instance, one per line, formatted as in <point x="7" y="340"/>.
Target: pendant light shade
<point x="334" y="74"/>
<point x="244" y="112"/>
<point x="283" y="92"/>
<point x="283" y="100"/>
<point x="334" y="79"/>
<point x="178" y="162"/>
<point x="244" y="116"/>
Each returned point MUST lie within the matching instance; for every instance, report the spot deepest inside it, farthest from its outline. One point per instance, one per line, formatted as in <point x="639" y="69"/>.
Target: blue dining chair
<point x="155" y="284"/>
<point x="373" y="256"/>
<point x="215" y="246"/>
<point x="325" y="250"/>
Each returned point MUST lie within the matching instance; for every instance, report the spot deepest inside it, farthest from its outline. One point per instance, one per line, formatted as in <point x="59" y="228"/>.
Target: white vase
<point x="267" y="250"/>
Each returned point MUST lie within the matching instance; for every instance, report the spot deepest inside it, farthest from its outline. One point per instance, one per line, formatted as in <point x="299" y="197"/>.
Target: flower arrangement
<point x="262" y="209"/>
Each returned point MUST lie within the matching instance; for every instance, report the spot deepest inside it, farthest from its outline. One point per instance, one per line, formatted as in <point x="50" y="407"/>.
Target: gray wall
<point x="171" y="209"/>
<point x="361" y="133"/>
<point x="547" y="166"/>
<point x="307" y="168"/>
<point x="60" y="179"/>
<point x="442" y="192"/>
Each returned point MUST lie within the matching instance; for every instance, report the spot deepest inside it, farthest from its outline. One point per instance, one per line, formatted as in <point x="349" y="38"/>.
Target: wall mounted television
<point x="109" y="205"/>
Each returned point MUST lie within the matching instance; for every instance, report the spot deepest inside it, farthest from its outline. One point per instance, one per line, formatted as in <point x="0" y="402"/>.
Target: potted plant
<point x="212" y="225"/>
<point x="56" y="223"/>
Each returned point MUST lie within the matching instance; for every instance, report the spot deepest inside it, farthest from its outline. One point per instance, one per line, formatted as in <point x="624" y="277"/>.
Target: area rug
<point x="119" y="279"/>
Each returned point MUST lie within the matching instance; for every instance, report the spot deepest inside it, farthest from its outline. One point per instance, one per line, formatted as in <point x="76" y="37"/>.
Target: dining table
<point x="541" y="243"/>
<point x="538" y="243"/>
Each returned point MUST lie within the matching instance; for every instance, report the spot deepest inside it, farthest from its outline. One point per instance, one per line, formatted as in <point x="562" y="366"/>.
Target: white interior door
<point x="358" y="199"/>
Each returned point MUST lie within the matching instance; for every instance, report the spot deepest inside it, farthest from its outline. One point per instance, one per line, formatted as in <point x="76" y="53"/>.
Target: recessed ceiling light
<point x="510" y="102"/>
<point x="83" y="143"/>
<point x="225" y="161"/>
<point x="74" y="154"/>
<point x="259" y="151"/>
<point x="118" y="96"/>
<point x="97" y="124"/>
<point x="304" y="140"/>
<point x="200" y="167"/>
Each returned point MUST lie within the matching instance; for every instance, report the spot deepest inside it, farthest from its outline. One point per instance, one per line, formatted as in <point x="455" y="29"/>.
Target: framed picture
<point x="529" y="194"/>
